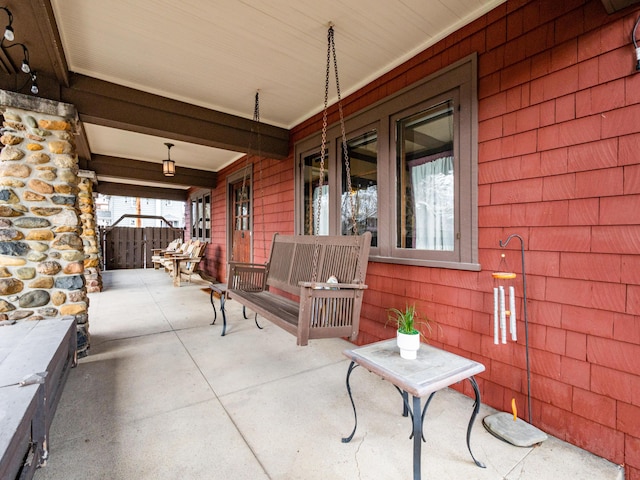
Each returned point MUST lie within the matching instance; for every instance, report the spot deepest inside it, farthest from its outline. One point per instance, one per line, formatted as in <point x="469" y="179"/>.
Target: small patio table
<point x="432" y="370"/>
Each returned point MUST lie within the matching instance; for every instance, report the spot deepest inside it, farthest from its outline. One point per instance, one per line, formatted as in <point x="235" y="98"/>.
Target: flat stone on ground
<point x="518" y="433"/>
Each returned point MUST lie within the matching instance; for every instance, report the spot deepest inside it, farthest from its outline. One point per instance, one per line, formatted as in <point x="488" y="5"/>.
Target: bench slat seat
<point x="320" y="309"/>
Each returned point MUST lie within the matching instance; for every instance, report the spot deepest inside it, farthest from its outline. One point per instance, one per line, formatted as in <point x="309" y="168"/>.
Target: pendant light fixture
<point x="168" y="165"/>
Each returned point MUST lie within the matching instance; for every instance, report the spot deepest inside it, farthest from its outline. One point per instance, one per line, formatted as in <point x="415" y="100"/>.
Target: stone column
<point x="41" y="250"/>
<point x="93" y="279"/>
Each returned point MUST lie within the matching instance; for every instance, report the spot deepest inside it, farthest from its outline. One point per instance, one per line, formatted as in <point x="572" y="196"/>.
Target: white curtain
<point x="365" y="203"/>
<point x="323" y="229"/>
<point x="434" y="204"/>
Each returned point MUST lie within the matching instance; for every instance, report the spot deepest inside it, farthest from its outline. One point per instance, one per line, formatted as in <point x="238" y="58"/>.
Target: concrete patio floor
<point x="163" y="396"/>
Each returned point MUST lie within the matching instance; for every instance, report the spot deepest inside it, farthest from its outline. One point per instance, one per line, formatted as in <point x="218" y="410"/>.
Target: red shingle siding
<point x="558" y="163"/>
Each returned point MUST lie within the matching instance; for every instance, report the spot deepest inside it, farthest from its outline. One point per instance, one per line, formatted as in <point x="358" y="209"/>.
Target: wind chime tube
<point x="495" y="316"/>
<point x="512" y="317"/>
<point x="503" y="316"/>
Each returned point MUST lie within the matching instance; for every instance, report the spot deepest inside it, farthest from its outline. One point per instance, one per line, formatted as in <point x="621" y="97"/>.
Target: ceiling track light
<point x="168" y="165"/>
<point x="8" y="30"/>
<point x="25" y="67"/>
<point x="34" y="83"/>
<point x="33" y="78"/>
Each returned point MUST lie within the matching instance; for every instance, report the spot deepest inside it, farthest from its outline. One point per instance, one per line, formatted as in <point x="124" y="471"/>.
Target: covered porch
<point x="171" y="398"/>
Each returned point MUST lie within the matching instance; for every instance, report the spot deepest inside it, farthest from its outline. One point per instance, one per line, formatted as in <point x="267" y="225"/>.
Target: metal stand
<point x="517" y="432"/>
<point x="526" y="317"/>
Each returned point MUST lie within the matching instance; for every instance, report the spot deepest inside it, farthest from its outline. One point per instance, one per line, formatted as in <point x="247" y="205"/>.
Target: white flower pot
<point x="408" y="345"/>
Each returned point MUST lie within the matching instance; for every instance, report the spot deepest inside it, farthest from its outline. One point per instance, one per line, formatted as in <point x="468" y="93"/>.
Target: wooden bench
<point x="321" y="309"/>
<point x="28" y="349"/>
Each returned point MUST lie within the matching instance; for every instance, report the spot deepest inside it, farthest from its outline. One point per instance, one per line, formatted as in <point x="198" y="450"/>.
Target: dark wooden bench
<point x="29" y="351"/>
<point x="290" y="293"/>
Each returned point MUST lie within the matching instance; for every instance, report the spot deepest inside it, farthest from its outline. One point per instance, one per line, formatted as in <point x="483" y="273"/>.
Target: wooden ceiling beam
<point x="45" y="20"/>
<point x="125" y="168"/>
<point x="107" y="104"/>
<point x="126" y="190"/>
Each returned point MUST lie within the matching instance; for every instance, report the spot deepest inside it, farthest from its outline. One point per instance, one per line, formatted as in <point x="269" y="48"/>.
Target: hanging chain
<point x="323" y="149"/>
<point x="345" y="152"/>
<point x="331" y="52"/>
<point x="243" y="192"/>
<point x="345" y="148"/>
<point x="244" y="196"/>
<point x="256" y="118"/>
<point x="323" y="146"/>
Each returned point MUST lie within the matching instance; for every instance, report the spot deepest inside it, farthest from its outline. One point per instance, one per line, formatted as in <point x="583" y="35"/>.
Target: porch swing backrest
<point x="291" y="261"/>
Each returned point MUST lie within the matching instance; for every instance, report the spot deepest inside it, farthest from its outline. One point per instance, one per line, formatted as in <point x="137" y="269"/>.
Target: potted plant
<point x="408" y="336"/>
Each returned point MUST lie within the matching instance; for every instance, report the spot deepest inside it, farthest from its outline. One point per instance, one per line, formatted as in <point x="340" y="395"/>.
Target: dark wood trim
<point x="613" y="6"/>
<point x="107" y="104"/>
<point x="148" y="171"/>
<point x="127" y="190"/>
<point x="51" y="40"/>
<point x="82" y="143"/>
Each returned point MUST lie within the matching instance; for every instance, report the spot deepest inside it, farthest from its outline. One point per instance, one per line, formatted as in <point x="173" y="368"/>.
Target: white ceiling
<point x="217" y="53"/>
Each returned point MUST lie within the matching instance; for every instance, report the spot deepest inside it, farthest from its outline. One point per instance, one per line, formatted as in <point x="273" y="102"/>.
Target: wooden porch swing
<point x="325" y="274"/>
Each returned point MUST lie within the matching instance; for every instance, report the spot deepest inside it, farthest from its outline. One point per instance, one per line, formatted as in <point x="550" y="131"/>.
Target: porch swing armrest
<point x="329" y="286"/>
<point x="245" y="265"/>
<point x="250" y="277"/>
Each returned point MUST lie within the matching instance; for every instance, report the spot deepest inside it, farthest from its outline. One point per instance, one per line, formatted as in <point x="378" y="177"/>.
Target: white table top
<point x="432" y="370"/>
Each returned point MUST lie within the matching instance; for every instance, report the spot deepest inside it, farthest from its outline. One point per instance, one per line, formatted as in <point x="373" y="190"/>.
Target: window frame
<point x="198" y="202"/>
<point x="458" y="83"/>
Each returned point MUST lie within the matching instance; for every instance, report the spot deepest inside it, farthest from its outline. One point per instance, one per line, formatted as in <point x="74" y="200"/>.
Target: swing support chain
<point x="331" y="55"/>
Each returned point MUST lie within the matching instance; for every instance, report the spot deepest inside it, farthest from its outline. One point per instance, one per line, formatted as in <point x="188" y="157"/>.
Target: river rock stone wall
<point x="42" y="253"/>
<point x="86" y="204"/>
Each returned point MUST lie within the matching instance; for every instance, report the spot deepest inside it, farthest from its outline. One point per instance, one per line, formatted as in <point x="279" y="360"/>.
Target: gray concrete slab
<point x="163" y="395"/>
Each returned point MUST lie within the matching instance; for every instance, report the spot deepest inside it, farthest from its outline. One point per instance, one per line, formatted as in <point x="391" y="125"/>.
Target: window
<point x="316" y="215"/>
<point x="359" y="201"/>
<point x="412" y="162"/>
<point x="201" y="216"/>
<point x="425" y="194"/>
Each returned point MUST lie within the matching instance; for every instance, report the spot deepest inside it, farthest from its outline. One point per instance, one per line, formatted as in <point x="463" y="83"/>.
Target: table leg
<point x="417" y="438"/>
<point x="222" y="310"/>
<point x="355" y="416"/>
<point x="418" y="424"/>
<point x="176" y="273"/>
<point x="405" y="402"/>
<point x="215" y="314"/>
<point x="223" y="299"/>
<point x="255" y="320"/>
<point x="476" y="409"/>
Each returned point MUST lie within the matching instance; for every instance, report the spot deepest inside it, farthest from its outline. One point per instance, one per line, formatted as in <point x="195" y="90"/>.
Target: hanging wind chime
<point x="504" y="307"/>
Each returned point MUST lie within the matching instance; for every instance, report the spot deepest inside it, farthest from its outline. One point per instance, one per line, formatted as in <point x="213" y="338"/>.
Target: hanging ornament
<point x="504" y="303"/>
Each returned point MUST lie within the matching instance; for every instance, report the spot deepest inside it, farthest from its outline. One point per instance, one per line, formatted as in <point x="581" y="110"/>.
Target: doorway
<point x="240" y="219"/>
